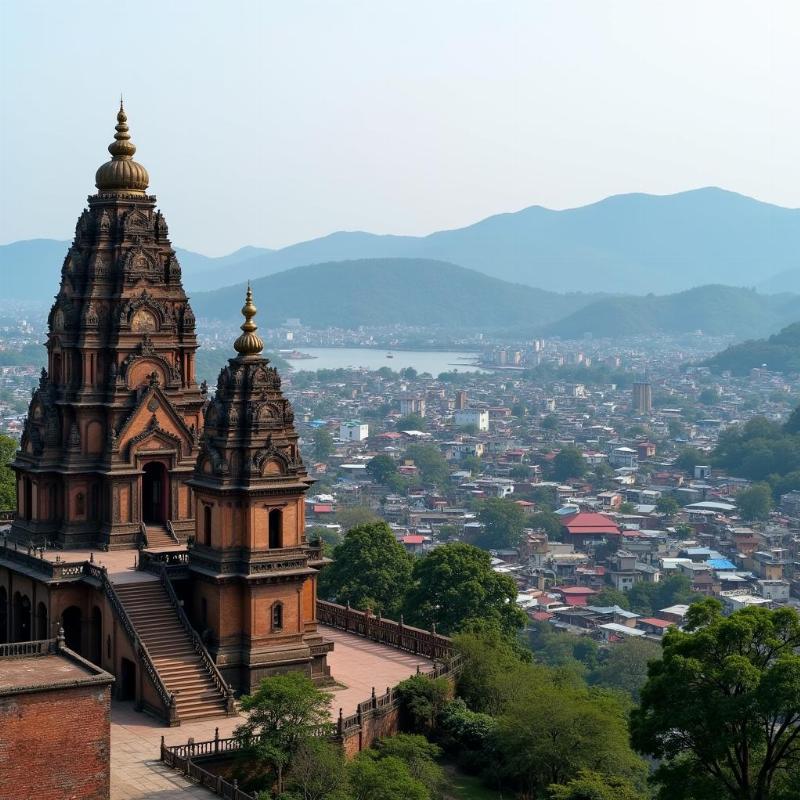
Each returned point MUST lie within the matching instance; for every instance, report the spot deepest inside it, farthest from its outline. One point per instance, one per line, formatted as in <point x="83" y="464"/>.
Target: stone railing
<point x="176" y="562"/>
<point x="27" y="558"/>
<point x="7" y="516"/>
<point x="166" y="697"/>
<point x="42" y="647"/>
<point x="210" y="667"/>
<point x="428" y="644"/>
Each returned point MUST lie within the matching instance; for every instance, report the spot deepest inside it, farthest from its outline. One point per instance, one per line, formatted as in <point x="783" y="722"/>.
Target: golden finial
<point x="249" y="343"/>
<point x="122" y="173"/>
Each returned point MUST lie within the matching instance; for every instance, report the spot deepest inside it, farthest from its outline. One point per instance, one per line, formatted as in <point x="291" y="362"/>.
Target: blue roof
<point x="720" y="563"/>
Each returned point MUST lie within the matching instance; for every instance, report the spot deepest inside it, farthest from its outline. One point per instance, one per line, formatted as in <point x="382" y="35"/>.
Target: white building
<point x="624" y="457"/>
<point x="353" y="431"/>
<point x="479" y="417"/>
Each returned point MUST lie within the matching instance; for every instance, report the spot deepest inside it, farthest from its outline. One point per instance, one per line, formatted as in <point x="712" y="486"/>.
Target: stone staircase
<point x="158" y="536"/>
<point x="179" y="665"/>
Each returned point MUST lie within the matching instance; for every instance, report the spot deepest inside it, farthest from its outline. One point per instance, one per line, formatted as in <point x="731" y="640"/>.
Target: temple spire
<point x="122" y="173"/>
<point x="249" y="343"/>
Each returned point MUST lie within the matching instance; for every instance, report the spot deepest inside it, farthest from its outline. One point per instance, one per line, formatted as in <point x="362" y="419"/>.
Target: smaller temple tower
<point x="254" y="576"/>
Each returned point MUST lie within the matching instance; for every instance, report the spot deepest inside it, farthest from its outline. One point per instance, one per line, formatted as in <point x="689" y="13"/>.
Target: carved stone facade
<point x="254" y="577"/>
<point x="113" y="428"/>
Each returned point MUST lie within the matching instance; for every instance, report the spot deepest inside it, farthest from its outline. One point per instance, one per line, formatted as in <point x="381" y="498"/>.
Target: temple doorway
<point x="72" y="623"/>
<point x="126" y="689"/>
<point x="22" y="618"/>
<point x="155" y="488"/>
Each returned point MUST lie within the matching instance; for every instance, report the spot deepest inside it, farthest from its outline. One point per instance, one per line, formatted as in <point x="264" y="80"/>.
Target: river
<point x="433" y="361"/>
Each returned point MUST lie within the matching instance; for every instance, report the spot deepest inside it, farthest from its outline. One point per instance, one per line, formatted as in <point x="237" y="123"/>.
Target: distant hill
<point x="391" y="291"/>
<point x="31" y="269"/>
<point x="779" y="353"/>
<point x="631" y="244"/>
<point x="712" y="309"/>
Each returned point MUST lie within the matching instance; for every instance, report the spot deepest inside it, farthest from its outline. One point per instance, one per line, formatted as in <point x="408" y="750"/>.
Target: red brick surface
<point x="55" y="745"/>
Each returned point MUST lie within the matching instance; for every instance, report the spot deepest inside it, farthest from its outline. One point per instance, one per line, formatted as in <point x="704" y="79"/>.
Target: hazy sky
<point x="268" y="123"/>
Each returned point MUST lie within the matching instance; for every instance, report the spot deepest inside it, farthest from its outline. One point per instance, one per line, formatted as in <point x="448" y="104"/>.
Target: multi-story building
<point x="467" y="417"/>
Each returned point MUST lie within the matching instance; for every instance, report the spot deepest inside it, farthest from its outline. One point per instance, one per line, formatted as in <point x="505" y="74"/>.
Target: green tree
<point x="472" y="463"/>
<point x="285" y="712"/>
<point x="8" y="482"/>
<point x="318" y="771"/>
<point x="372" y="778"/>
<point x="569" y="463"/>
<point x="520" y="472"/>
<point x="689" y="458"/>
<point x="381" y="468"/>
<point x="422" y="698"/>
<point x="708" y="396"/>
<point x="411" y="422"/>
<point x="323" y="443"/>
<point x="548" y="522"/>
<point x="625" y="667"/>
<point x="354" y="516"/>
<point x="591" y="785"/>
<point x="721" y="708"/>
<point x="627" y="508"/>
<point x="431" y="463"/>
<point x="552" y="732"/>
<point x="550" y="422"/>
<point x="370" y="569"/>
<point x="667" y="505"/>
<point x="455" y="584"/>
<point x="419" y="755"/>
<point x="755" y="502"/>
<point x="503" y="522"/>
<point x="609" y="596"/>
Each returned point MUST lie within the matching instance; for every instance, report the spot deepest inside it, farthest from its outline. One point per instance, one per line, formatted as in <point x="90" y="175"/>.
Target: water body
<point x="433" y="361"/>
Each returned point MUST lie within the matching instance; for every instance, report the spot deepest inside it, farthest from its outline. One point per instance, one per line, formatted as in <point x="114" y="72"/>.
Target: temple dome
<point x="122" y="173"/>
<point x="249" y="343"/>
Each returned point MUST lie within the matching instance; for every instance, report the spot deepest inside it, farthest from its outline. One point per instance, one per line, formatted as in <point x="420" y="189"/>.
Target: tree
<point x="626" y="665"/>
<point x="503" y="522"/>
<point x="608" y="596"/>
<point x="381" y="468"/>
<point x="455" y="584"/>
<point x="411" y="422"/>
<point x="421" y="700"/>
<point x="318" y="771"/>
<point x="548" y="522"/>
<point x="721" y="708"/>
<point x="709" y="396"/>
<point x="552" y="732"/>
<point x="323" y="443"/>
<point x="689" y="458"/>
<point x="472" y="463"/>
<point x="568" y="463"/>
<point x="282" y="714"/>
<point x="8" y="481"/>
<point x="550" y="422"/>
<point x="627" y="508"/>
<point x="388" y="778"/>
<point x="419" y="755"/>
<point x="755" y="502"/>
<point x="370" y="569"/>
<point x="431" y="463"/>
<point x="667" y="505"/>
<point x="354" y="516"/>
<point x="591" y="785"/>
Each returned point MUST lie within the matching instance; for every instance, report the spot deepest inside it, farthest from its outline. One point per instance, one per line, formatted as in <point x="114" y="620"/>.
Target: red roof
<point x="540" y="616"/>
<point x="323" y="508"/>
<point x="576" y="590"/>
<point x="589" y="524"/>
<point x="413" y="539"/>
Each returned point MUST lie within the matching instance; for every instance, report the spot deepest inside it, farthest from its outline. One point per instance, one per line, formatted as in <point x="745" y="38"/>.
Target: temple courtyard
<point x="137" y="772"/>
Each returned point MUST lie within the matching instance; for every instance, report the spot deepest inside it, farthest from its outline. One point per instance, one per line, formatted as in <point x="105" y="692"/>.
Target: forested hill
<point x="711" y="309"/>
<point x="391" y="291"/>
<point x="779" y="353"/>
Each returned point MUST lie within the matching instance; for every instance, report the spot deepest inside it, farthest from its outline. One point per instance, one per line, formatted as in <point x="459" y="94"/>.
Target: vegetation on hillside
<point x="779" y="353"/>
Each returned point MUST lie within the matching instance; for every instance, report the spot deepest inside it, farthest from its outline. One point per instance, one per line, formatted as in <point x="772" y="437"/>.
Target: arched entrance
<point x="22" y="618"/>
<point x="155" y="492"/>
<point x="3" y="615"/>
<point x="41" y="622"/>
<point x="71" y="622"/>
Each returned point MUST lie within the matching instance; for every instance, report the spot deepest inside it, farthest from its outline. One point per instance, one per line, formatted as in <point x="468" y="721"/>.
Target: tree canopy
<point x="370" y="569"/>
<point x="503" y="522"/>
<point x="8" y="482"/>
<point x="455" y="585"/>
<point x="568" y="463"/>
<point x="721" y="708"/>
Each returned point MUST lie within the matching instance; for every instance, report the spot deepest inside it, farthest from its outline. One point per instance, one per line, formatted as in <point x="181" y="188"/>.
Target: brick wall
<point x="55" y="744"/>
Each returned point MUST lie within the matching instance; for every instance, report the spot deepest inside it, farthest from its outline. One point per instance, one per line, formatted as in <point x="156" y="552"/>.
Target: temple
<point x="206" y="583"/>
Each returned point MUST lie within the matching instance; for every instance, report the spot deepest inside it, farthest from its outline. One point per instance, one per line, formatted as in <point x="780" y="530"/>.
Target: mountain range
<point x="518" y="271"/>
<point x="778" y="353"/>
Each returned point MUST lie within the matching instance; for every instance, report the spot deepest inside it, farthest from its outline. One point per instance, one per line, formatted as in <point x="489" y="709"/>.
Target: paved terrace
<point x="136" y="772"/>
